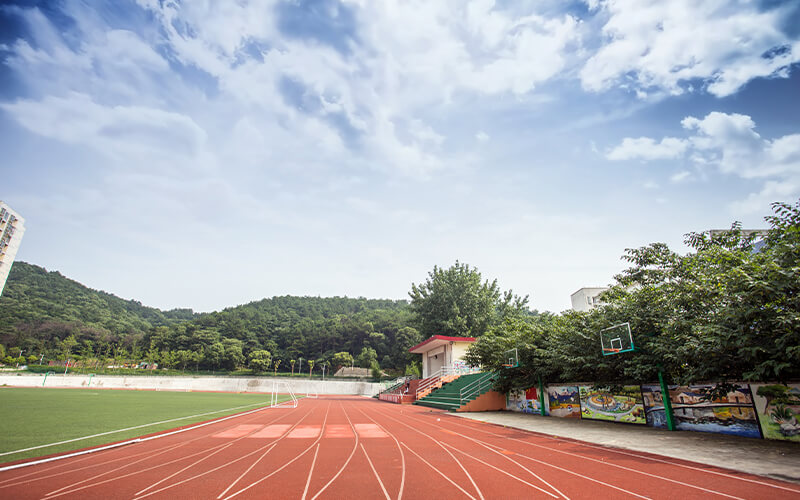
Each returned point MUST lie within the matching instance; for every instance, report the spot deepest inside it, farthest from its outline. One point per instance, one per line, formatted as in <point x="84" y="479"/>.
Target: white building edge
<point x="12" y="227"/>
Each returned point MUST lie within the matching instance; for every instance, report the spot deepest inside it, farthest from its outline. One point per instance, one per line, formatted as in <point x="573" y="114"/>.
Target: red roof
<point x="444" y="338"/>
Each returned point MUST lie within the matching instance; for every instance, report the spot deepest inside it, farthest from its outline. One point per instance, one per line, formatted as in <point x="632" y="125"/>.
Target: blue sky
<point x="206" y="154"/>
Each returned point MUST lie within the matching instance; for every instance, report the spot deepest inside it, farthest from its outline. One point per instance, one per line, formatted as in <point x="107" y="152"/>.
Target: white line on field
<point x="129" y="429"/>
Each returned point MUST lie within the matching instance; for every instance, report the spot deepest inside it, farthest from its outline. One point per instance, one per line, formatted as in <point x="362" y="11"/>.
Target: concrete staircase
<point x="459" y="392"/>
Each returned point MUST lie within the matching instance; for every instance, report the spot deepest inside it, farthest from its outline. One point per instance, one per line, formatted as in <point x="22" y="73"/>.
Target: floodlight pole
<point x="665" y="400"/>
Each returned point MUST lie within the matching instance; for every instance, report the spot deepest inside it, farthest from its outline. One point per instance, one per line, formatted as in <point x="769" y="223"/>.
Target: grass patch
<point x="37" y="416"/>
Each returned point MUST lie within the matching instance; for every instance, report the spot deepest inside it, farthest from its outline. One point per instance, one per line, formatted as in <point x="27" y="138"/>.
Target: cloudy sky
<point x="206" y="154"/>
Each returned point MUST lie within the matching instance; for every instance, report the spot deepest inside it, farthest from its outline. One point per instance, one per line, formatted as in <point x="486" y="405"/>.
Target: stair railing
<point x="477" y="386"/>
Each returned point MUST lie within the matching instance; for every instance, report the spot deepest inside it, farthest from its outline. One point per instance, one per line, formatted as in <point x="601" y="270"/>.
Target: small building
<point x="442" y="352"/>
<point x="587" y="298"/>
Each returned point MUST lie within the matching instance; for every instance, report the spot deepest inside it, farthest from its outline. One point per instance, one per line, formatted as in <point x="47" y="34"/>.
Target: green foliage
<point x="457" y="302"/>
<point x="727" y="310"/>
<point x="341" y="359"/>
<point x="260" y="361"/>
<point x="781" y="413"/>
<point x="367" y="357"/>
<point x="375" y="370"/>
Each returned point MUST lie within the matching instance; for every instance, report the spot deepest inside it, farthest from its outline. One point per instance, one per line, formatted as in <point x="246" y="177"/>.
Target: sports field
<point x="355" y="447"/>
<point x="36" y="417"/>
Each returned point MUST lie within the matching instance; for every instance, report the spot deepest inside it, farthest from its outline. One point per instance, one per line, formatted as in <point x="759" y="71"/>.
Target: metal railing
<point x="435" y="381"/>
<point x="478" y="386"/>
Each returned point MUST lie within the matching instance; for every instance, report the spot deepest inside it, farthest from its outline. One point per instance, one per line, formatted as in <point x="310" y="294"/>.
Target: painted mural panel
<point x="526" y="401"/>
<point x="564" y="401"/>
<point x="778" y="408"/>
<point x="622" y="405"/>
<point x="732" y="413"/>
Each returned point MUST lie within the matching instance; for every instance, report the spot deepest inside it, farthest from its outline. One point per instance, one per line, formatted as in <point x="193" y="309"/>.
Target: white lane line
<point x="439" y="472"/>
<point x="127" y="429"/>
<point x="149" y="468"/>
<point x="355" y="445"/>
<point x="310" y="472"/>
<point x="615" y="465"/>
<point x="132" y="441"/>
<point x="287" y="464"/>
<point x="383" y="488"/>
<point x="138" y="493"/>
<point x="246" y="471"/>
<point x="490" y="445"/>
<point x="402" y="457"/>
<point x="675" y="462"/>
<point x="269" y="445"/>
<point x="501" y="470"/>
<point x="456" y="460"/>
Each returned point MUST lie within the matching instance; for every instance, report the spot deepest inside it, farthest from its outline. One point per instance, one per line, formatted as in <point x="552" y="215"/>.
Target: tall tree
<point x="457" y="301"/>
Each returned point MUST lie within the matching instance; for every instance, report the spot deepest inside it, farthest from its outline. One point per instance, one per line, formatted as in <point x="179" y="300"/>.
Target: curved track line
<point x="126" y="429"/>
<point x="89" y="457"/>
<point x="457" y="461"/>
<point x="269" y="445"/>
<point x="507" y="458"/>
<point x="438" y="471"/>
<point x="485" y="444"/>
<point x="677" y="463"/>
<point x="383" y="488"/>
<point x="311" y="470"/>
<point x="287" y="463"/>
<point x="139" y="493"/>
<point x="501" y="470"/>
<point x="144" y="470"/>
<point x="343" y="467"/>
<point x="402" y="456"/>
<point x="132" y="441"/>
<point x="613" y="465"/>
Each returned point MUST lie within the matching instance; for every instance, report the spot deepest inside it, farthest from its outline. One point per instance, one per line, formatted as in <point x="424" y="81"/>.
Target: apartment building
<point x="12" y="227"/>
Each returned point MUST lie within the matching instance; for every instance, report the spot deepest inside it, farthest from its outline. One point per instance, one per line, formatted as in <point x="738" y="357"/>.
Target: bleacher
<point x="452" y="395"/>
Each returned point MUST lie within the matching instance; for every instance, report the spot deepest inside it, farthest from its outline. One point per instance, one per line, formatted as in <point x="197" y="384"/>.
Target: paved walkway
<point x="775" y="459"/>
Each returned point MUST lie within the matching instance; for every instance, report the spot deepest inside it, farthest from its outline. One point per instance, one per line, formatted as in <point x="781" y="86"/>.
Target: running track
<point x="349" y="447"/>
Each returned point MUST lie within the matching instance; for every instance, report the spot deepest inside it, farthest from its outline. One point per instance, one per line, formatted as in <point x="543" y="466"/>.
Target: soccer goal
<point x="282" y="387"/>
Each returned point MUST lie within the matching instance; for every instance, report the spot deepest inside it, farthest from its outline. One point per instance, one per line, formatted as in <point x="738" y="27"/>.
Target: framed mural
<point x="695" y="410"/>
<point x="778" y="408"/>
<point x="618" y="405"/>
<point x="525" y="401"/>
<point x="564" y="401"/>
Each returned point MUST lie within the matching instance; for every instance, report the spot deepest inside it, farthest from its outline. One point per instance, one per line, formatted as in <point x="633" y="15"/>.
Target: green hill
<point x="39" y="310"/>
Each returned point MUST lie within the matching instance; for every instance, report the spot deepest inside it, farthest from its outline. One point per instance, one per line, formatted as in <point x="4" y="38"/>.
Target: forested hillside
<point x="46" y="313"/>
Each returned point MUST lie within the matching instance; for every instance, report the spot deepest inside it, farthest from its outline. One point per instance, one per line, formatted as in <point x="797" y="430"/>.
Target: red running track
<point x="350" y="447"/>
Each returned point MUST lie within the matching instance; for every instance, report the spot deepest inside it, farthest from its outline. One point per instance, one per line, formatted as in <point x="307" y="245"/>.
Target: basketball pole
<point x="541" y="396"/>
<point x="665" y="399"/>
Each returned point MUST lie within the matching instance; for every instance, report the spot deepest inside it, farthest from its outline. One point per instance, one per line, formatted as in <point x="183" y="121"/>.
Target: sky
<point x="207" y="154"/>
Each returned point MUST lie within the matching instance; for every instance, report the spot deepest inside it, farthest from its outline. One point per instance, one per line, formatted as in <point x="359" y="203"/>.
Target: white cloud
<point x="115" y="130"/>
<point x="663" y="46"/>
<point x="730" y="144"/>
<point x="680" y="176"/>
<point x="645" y="148"/>
<point x="482" y="136"/>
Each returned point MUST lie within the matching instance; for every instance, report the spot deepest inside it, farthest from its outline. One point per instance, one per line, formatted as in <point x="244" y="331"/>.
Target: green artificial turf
<point x="36" y="416"/>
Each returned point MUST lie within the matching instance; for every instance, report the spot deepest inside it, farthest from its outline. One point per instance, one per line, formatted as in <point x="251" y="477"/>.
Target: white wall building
<point x="441" y="351"/>
<point x="586" y="298"/>
<point x="12" y="227"/>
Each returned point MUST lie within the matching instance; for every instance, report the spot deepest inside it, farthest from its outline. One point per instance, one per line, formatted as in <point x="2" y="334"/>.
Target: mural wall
<point x="778" y="408"/>
<point x="622" y="405"/>
<point x="695" y="410"/>
<point x="564" y="401"/>
<point x="526" y="401"/>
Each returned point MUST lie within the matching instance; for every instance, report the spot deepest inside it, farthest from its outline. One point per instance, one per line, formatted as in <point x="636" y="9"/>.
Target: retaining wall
<point x="222" y="384"/>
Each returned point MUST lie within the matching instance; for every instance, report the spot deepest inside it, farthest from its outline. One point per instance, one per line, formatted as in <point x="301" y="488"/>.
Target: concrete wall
<point x="222" y="384"/>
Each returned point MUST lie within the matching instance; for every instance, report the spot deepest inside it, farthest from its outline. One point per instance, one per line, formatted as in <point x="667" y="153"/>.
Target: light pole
<point x="300" y="370"/>
<point x="21" y="352"/>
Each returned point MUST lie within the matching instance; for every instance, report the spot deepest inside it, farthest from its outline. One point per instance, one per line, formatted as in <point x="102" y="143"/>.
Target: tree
<point x="260" y="361"/>
<point x="341" y="359"/>
<point x="367" y="357"/>
<point x="310" y="367"/>
<point x="457" y="302"/>
<point x="292" y="362"/>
